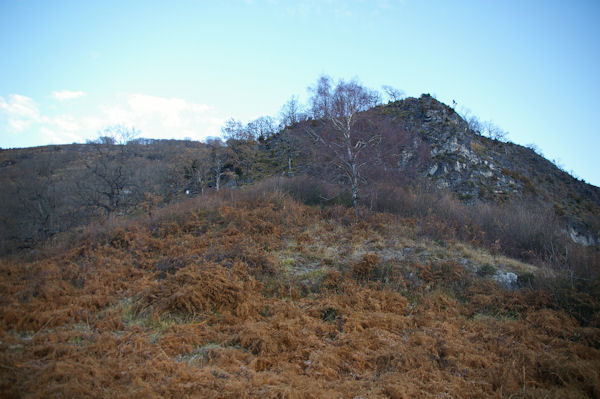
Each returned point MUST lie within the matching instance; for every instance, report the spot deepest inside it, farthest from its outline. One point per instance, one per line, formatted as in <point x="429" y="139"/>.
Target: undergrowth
<point x="258" y="296"/>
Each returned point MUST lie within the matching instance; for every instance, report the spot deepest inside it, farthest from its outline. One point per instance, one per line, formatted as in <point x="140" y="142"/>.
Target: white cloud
<point x="156" y="117"/>
<point x="65" y="122"/>
<point x="53" y="136"/>
<point x="20" y="111"/>
<point x="67" y="94"/>
<point x="19" y="106"/>
<point x="162" y="117"/>
<point x="18" y="125"/>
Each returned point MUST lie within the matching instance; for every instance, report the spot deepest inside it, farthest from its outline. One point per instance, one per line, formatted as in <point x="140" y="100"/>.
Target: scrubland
<point x="252" y="294"/>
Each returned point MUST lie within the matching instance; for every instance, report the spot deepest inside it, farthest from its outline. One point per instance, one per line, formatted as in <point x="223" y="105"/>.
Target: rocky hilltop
<point x="48" y="190"/>
<point x="477" y="168"/>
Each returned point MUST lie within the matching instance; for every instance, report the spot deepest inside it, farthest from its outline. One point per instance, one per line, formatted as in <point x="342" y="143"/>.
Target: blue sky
<point x="180" y="68"/>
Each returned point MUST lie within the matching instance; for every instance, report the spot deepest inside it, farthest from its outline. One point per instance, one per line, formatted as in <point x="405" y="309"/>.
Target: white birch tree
<point x="342" y="131"/>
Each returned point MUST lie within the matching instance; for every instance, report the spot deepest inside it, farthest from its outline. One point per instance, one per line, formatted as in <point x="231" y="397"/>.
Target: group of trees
<point x="342" y="137"/>
<point x="352" y="142"/>
<point x="108" y="181"/>
<point x="339" y="135"/>
<point x="69" y="186"/>
<point x="484" y="128"/>
<point x="48" y="190"/>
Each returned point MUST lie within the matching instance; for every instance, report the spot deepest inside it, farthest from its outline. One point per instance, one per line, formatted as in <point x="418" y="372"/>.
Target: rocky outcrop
<point x="477" y="168"/>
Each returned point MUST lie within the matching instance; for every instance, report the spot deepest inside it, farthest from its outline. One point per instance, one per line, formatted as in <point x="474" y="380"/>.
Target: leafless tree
<point x="262" y="127"/>
<point x="288" y="145"/>
<point x="392" y="93"/>
<point x="116" y="135"/>
<point x="37" y="199"/>
<point x="220" y="156"/>
<point x="197" y="174"/>
<point x="493" y="131"/>
<point x="235" y="129"/>
<point x="291" y="112"/>
<point x="343" y="134"/>
<point x="34" y="198"/>
<point x="108" y="184"/>
<point x="320" y="101"/>
<point x="472" y="121"/>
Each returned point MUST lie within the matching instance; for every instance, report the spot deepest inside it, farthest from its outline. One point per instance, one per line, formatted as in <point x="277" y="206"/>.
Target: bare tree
<point x="33" y="197"/>
<point x="493" y="131"/>
<point x="197" y="174"/>
<point x="108" y="183"/>
<point x="392" y="93"/>
<point x="472" y="121"/>
<point x="321" y="99"/>
<point x="116" y="135"/>
<point x="291" y="112"/>
<point x="220" y="156"/>
<point x="234" y="129"/>
<point x="261" y="128"/>
<point x="344" y="134"/>
<point x="241" y="146"/>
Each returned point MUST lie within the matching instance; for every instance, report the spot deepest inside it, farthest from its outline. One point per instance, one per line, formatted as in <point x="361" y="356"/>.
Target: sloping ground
<point x="266" y="298"/>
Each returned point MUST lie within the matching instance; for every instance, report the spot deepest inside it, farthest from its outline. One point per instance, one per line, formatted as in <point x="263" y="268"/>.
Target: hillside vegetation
<point x="415" y="145"/>
<point x="359" y="250"/>
<point x="252" y="294"/>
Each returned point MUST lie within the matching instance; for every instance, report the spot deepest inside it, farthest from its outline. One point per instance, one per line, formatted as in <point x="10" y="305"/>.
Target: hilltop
<point x="48" y="190"/>
<point x="481" y="169"/>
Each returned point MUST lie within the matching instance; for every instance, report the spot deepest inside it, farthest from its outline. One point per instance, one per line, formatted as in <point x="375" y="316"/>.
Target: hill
<point x="252" y="294"/>
<point x="420" y="260"/>
<point x="48" y="190"/>
<point x="479" y="168"/>
<point x="438" y="146"/>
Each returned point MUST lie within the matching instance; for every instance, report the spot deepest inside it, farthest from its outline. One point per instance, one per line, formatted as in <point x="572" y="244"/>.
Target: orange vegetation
<point x="266" y="298"/>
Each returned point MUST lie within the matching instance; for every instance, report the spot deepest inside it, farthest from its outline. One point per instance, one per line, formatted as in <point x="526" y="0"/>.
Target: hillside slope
<point x="476" y="167"/>
<point x="254" y="295"/>
<point x="439" y="147"/>
<point x="49" y="190"/>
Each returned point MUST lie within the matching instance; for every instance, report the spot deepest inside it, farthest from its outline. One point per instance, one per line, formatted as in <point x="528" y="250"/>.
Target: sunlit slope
<point x="257" y="296"/>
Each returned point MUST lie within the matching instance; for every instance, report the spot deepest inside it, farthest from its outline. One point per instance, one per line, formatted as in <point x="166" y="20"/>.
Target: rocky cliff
<point x="477" y="168"/>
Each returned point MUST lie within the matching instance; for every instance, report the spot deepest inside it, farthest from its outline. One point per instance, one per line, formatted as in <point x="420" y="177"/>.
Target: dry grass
<point x="203" y="301"/>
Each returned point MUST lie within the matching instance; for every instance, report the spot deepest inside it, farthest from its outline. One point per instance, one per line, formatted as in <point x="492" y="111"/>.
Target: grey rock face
<point x="506" y="279"/>
<point x="580" y="237"/>
<point x="477" y="168"/>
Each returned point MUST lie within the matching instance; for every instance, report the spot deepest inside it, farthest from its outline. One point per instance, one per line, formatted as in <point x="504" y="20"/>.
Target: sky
<point x="179" y="69"/>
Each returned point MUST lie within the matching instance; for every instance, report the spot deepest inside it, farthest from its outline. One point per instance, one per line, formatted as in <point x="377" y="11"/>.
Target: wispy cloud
<point x="55" y="136"/>
<point x="156" y="117"/>
<point x="19" y="111"/>
<point x="19" y="106"/>
<point x="67" y="94"/>
<point x="162" y="117"/>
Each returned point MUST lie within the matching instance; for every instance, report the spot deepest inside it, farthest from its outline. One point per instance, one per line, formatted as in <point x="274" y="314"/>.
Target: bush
<point x="362" y="270"/>
<point x="528" y="231"/>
